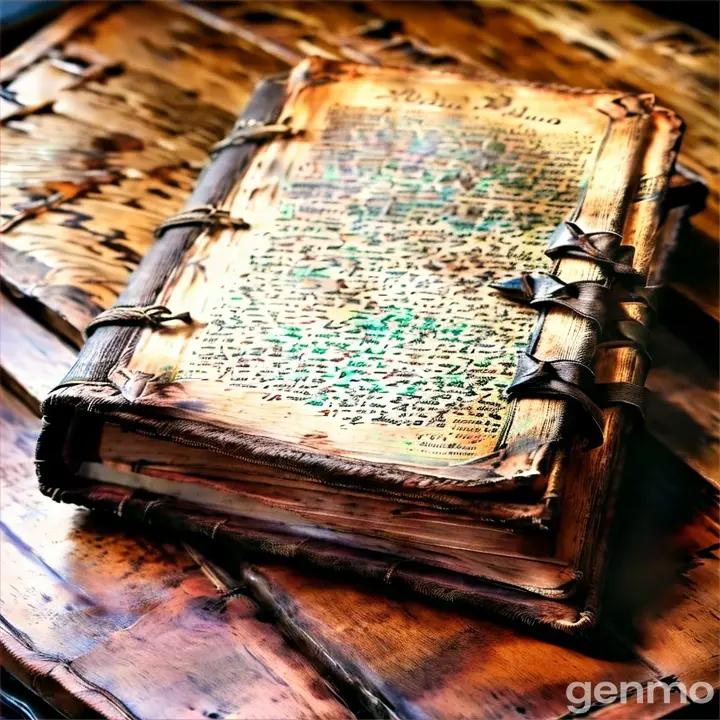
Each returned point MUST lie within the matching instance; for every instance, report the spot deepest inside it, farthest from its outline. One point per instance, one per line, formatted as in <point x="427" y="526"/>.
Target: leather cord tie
<point x="252" y="131"/>
<point x="627" y="331"/>
<point x="207" y="215"/>
<point x="150" y="315"/>
<point x="562" y="379"/>
<point x="622" y="393"/>
<point x="601" y="247"/>
<point x="586" y="298"/>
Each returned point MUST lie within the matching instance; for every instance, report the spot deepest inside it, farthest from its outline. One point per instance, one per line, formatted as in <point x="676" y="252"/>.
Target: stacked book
<point x="399" y="331"/>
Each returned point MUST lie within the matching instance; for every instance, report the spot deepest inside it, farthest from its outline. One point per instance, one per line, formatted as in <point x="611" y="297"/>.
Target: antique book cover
<point x="399" y="331"/>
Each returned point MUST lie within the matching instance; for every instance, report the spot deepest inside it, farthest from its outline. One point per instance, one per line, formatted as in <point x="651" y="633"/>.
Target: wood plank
<point x="680" y="636"/>
<point x="664" y="569"/>
<point x="682" y="405"/>
<point x="32" y="360"/>
<point x="418" y="660"/>
<point x="51" y="35"/>
<point x="98" y="618"/>
<point x="103" y="163"/>
<point x="109" y="229"/>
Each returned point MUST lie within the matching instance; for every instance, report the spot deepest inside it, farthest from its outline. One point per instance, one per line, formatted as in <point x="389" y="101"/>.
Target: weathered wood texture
<point x="97" y="618"/>
<point x="682" y="404"/>
<point x="33" y="360"/>
<point x="82" y="587"/>
<point x="119" y="150"/>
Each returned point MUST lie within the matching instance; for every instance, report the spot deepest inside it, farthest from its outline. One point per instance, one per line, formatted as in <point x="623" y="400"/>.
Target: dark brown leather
<point x="586" y="298"/>
<point x="603" y="248"/>
<point x="563" y="379"/>
<point x="624" y="393"/>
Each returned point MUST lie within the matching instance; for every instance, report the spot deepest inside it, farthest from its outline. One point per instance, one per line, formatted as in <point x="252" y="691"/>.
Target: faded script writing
<point x="365" y="295"/>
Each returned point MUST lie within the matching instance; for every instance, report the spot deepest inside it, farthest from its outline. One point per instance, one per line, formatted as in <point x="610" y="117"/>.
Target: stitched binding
<point x="252" y="131"/>
<point x="152" y="315"/>
<point x="207" y="215"/>
<point x="564" y="379"/>
<point x="587" y="298"/>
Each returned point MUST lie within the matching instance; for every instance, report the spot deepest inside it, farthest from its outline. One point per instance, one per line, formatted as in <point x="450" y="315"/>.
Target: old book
<point x="398" y="331"/>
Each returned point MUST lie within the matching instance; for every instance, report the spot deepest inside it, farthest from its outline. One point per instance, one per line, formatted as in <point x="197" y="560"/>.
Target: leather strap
<point x="634" y="331"/>
<point x="563" y="379"/>
<point x="603" y="248"/>
<point x="686" y="189"/>
<point x="624" y="393"/>
<point x="152" y="315"/>
<point x="626" y="331"/>
<point x="252" y="131"/>
<point x="569" y="379"/>
<point x="586" y="298"/>
<point x="207" y="215"/>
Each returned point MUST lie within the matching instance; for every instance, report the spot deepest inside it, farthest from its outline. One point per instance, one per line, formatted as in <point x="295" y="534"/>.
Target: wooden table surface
<point x="107" y="115"/>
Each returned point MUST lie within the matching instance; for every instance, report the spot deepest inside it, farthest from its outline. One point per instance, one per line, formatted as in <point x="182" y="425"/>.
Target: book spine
<point x="107" y="344"/>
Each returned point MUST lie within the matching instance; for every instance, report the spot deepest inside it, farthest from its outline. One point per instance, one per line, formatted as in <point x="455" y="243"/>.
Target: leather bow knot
<point x="207" y="215"/>
<point x="153" y="315"/>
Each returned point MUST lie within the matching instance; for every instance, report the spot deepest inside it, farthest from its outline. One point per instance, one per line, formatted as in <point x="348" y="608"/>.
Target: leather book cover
<point x="425" y="290"/>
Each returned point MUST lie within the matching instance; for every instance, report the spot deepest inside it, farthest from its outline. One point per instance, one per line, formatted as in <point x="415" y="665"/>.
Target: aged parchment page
<point x="355" y="316"/>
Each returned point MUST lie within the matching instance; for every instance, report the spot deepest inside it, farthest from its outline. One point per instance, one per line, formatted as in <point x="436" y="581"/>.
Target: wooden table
<point x="107" y="114"/>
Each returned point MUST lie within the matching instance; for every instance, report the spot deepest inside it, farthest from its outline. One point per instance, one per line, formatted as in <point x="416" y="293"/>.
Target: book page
<point x="355" y="316"/>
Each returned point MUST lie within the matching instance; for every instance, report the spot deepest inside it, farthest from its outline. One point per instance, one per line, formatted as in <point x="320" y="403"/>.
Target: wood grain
<point x="419" y="661"/>
<point x="47" y="38"/>
<point x="98" y="618"/>
<point x="109" y="229"/>
<point x="116" y="155"/>
<point x="682" y="404"/>
<point x="32" y="360"/>
<point x="664" y="566"/>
